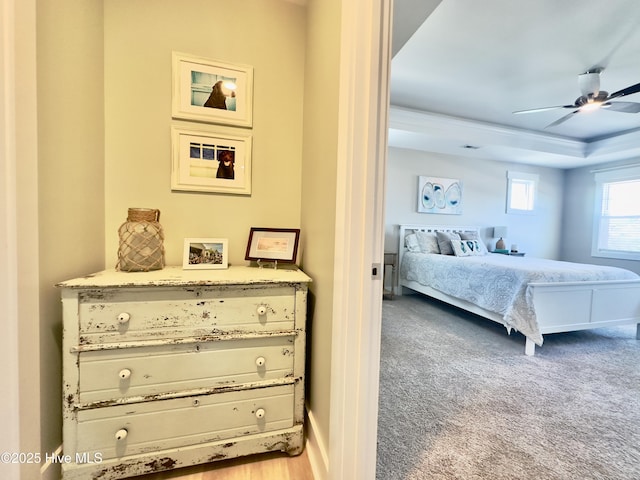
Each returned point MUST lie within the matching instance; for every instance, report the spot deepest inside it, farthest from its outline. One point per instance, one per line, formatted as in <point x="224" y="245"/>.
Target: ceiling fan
<point x="593" y="98"/>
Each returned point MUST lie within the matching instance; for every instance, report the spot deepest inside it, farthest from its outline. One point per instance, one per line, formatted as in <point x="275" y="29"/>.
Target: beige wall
<point x="319" y="196"/>
<point x="104" y="119"/>
<point x="295" y="55"/>
<point x="268" y="35"/>
<point x="70" y="173"/>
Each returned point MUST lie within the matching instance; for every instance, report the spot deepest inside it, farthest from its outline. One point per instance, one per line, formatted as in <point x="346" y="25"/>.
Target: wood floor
<point x="266" y="466"/>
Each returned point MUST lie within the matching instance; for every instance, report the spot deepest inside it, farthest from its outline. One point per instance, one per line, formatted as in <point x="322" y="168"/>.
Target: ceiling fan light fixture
<point x="593" y="98"/>
<point x="590" y="107"/>
<point x="589" y="82"/>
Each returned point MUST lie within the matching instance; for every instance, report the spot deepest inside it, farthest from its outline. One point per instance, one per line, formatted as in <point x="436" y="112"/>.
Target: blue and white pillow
<point x="475" y="236"/>
<point x="466" y="248"/>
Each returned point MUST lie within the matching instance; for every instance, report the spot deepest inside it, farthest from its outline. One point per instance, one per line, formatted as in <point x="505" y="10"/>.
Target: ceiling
<point x="461" y="67"/>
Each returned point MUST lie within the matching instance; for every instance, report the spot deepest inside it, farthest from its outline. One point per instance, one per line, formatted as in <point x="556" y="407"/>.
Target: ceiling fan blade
<point x="626" y="107"/>
<point x="562" y="119"/>
<point x="543" y="109"/>
<point x="625" y="91"/>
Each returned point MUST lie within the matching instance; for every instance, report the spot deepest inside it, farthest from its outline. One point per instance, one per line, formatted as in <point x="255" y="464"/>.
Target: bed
<point x="529" y="295"/>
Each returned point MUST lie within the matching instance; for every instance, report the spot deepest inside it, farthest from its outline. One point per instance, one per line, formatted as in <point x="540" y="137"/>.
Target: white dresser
<point x="177" y="367"/>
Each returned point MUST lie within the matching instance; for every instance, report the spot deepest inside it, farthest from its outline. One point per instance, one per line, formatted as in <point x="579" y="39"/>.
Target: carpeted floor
<point x="460" y="400"/>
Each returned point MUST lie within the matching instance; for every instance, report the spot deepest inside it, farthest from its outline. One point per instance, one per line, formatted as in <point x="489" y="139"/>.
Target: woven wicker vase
<point x="141" y="241"/>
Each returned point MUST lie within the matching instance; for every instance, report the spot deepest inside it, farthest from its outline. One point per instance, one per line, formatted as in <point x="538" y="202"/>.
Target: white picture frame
<point x="211" y="91"/>
<point x="205" y="254"/>
<point x="214" y="160"/>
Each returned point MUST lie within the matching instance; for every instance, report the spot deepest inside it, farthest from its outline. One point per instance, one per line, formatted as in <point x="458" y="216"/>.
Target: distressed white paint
<point x="113" y="316"/>
<point x="153" y="370"/>
<point x="203" y="366"/>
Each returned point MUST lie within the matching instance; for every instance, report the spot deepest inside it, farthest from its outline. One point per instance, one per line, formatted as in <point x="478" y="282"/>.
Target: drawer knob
<point x="124" y="317"/>
<point x="260" y="361"/>
<point x="260" y="413"/>
<point x="121" y="434"/>
<point x="261" y="310"/>
<point x="124" y="373"/>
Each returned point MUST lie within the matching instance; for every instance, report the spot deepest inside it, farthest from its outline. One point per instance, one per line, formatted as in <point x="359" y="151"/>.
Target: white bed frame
<point x="559" y="307"/>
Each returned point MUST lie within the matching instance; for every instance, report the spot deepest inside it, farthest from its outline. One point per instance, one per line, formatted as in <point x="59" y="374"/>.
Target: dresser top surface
<point x="177" y="276"/>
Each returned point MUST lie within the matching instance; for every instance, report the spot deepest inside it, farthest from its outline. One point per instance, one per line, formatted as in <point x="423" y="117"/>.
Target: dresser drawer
<point x="120" y="315"/>
<point x="147" y="371"/>
<point x="151" y="426"/>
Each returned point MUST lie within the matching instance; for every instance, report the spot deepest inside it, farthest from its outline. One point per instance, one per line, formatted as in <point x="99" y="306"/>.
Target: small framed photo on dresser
<point x="205" y="253"/>
<point x="273" y="244"/>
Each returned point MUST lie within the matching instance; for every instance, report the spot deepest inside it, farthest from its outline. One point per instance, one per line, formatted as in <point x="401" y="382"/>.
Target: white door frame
<point x="362" y="147"/>
<point x="10" y="385"/>
<point x="19" y="300"/>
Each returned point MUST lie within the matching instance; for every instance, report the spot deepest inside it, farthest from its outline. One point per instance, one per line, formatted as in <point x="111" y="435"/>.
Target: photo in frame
<point x="212" y="91"/>
<point x="215" y="161"/>
<point x="439" y="195"/>
<point x="205" y="253"/>
<point x="273" y="244"/>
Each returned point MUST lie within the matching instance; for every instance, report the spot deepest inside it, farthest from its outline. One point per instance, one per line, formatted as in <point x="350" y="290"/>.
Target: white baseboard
<point x="316" y="450"/>
<point x="50" y="470"/>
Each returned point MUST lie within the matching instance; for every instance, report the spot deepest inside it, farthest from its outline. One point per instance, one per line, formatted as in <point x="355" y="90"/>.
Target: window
<point x="521" y="192"/>
<point x="617" y="214"/>
<point x="204" y="151"/>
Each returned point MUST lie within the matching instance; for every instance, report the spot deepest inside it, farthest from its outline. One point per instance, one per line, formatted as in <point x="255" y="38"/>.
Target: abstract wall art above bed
<point x="439" y="195"/>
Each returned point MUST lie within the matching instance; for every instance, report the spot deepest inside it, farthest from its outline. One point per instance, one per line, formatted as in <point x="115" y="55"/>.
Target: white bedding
<point x="499" y="283"/>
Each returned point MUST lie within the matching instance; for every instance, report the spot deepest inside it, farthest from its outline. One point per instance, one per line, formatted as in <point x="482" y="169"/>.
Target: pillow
<point x="466" y="248"/>
<point x="428" y="242"/>
<point x="460" y="248"/>
<point x="444" y="242"/>
<point x="476" y="237"/>
<point x="411" y="241"/>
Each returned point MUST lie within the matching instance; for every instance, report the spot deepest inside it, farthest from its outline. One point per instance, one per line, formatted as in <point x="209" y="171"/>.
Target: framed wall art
<point x="212" y="91"/>
<point x="439" y="195"/>
<point x="205" y="253"/>
<point x="279" y="244"/>
<point x="216" y="160"/>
